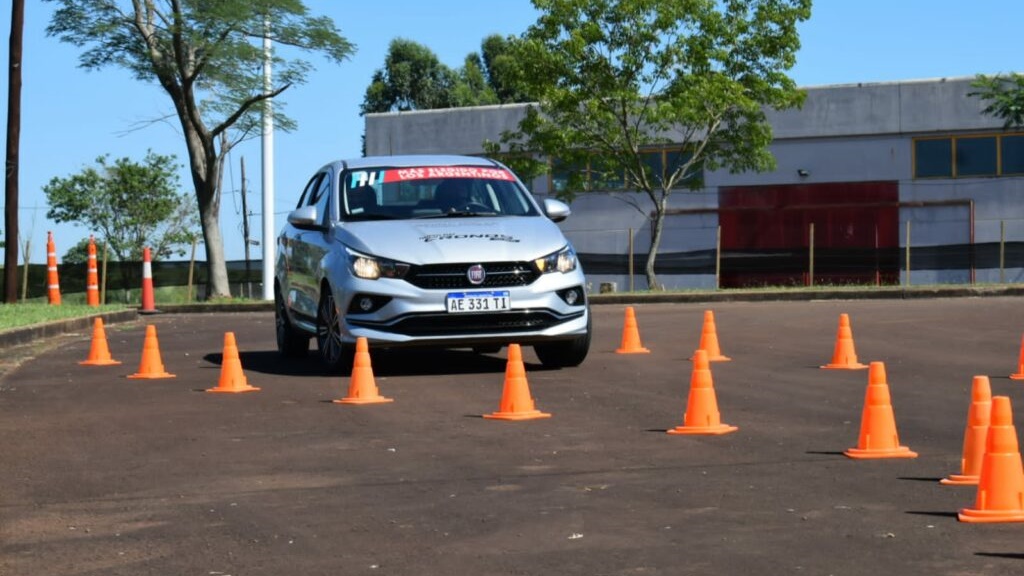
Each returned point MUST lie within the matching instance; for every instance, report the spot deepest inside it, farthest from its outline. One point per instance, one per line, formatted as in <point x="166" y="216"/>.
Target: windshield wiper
<point x="364" y="216"/>
<point x="456" y="214"/>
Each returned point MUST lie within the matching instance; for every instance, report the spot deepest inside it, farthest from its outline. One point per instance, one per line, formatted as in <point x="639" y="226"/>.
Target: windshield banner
<point x="369" y="178"/>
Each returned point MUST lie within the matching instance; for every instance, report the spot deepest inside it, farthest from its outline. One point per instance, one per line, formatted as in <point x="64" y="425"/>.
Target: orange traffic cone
<point x="631" y="336"/>
<point x="232" y="379"/>
<point x="92" y="283"/>
<point x="52" y="281"/>
<point x="99" y="352"/>
<point x="709" y="339"/>
<point x="151" y="366"/>
<point x="844" y="357"/>
<point x="1019" y="374"/>
<point x="974" y="435"/>
<point x="878" y="437"/>
<point x="702" y="416"/>
<point x="148" y="304"/>
<point x="1001" y="482"/>
<point x="362" y="389"/>
<point x="516" y="402"/>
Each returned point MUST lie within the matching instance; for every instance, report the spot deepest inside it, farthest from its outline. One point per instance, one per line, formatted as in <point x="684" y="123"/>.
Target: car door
<point x="312" y="246"/>
<point x="302" y="295"/>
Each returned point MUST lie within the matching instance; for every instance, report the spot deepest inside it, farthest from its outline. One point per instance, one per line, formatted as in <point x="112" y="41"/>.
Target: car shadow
<point x="393" y="362"/>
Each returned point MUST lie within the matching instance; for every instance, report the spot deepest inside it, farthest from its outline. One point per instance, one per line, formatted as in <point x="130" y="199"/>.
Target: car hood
<point x="472" y="239"/>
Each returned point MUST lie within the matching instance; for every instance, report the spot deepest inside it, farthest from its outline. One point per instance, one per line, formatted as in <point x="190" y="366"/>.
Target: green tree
<point x="612" y="77"/>
<point x="1004" y="95"/>
<point x="503" y="70"/>
<point x="472" y="88"/>
<point x="208" y="57"/>
<point x="127" y="204"/>
<point x="412" y="78"/>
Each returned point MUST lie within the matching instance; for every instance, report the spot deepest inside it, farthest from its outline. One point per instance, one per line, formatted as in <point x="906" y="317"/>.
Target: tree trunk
<point x="658" y="224"/>
<point x="216" y="265"/>
<point x="13" y="146"/>
<point x="204" y="163"/>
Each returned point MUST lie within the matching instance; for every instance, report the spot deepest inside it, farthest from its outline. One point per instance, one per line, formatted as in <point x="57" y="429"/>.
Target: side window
<point x="321" y="198"/>
<point x="308" y="190"/>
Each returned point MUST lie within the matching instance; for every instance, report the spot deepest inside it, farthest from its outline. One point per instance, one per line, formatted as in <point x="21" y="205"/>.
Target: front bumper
<point x="408" y="315"/>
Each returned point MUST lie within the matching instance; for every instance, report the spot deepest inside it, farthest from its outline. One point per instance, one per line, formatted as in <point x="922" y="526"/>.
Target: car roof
<point x="414" y="160"/>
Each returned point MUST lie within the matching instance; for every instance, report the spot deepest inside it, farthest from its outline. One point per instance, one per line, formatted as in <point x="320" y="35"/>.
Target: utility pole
<point x="268" y="169"/>
<point x="245" y="233"/>
<point x="13" y="147"/>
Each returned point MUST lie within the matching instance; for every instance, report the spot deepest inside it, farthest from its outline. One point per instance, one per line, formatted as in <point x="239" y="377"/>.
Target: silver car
<point x="445" y="251"/>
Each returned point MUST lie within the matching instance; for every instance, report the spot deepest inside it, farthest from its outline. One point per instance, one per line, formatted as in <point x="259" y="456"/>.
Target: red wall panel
<point x="856" y="224"/>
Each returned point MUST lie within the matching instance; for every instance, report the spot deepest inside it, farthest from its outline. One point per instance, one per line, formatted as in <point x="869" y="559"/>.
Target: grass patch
<point x="21" y="315"/>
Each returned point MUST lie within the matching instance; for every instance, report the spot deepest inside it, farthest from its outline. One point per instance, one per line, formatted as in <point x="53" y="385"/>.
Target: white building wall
<point x="843" y="133"/>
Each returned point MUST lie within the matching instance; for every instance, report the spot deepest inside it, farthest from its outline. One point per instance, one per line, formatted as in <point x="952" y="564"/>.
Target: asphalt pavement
<point x="109" y="475"/>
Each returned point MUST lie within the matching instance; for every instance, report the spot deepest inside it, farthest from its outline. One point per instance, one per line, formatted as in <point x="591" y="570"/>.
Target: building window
<point x="1012" y="154"/>
<point x="933" y="158"/>
<point x="598" y="175"/>
<point x="976" y="156"/>
<point x="695" y="179"/>
<point x="604" y="177"/>
<point x="969" y="156"/>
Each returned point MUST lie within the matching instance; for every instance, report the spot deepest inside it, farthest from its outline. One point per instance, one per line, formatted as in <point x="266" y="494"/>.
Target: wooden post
<point x="630" y="241"/>
<point x="718" y="257"/>
<point x="906" y="279"/>
<point x="191" y="269"/>
<point x="810" y="278"/>
<point x="1002" y="251"/>
<point x="103" y="281"/>
<point x="24" y="275"/>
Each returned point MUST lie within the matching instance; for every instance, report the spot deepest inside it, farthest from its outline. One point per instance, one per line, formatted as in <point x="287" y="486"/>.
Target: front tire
<point x="334" y="352"/>
<point x="291" y="343"/>
<point x="566" y="353"/>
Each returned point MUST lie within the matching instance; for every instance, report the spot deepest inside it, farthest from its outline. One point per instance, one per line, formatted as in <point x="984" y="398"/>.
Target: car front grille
<point x="454" y="276"/>
<point x="440" y="325"/>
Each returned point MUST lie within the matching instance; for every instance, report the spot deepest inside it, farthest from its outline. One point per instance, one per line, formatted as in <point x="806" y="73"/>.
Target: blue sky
<point x="70" y="116"/>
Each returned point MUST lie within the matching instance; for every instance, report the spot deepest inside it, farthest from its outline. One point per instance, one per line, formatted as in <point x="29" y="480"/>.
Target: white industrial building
<point x="865" y="164"/>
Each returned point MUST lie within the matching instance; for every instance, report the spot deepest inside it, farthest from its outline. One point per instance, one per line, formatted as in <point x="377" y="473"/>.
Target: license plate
<point x="483" y="301"/>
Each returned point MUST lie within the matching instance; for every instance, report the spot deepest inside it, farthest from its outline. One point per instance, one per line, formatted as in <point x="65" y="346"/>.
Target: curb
<point x="806" y="296"/>
<point x="31" y="333"/>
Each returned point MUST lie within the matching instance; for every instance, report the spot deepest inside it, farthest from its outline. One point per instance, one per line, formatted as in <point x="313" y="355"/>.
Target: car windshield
<point x="432" y="192"/>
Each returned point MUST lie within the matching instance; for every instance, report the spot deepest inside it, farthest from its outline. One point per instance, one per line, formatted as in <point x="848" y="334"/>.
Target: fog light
<point x="366" y="304"/>
<point x="571" y="296"/>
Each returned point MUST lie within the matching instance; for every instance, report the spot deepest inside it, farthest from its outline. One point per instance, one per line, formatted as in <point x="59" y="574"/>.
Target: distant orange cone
<point x="702" y="416"/>
<point x="1000" y="495"/>
<point x="92" y="283"/>
<point x="362" y="388"/>
<point x="148" y="304"/>
<point x="52" y="275"/>
<point x="99" y="352"/>
<point x="878" y="437"/>
<point x="232" y="378"/>
<point x="151" y="366"/>
<point x="709" y="339"/>
<point x="1019" y="374"/>
<point x="631" y="336"/>
<point x="516" y="402"/>
<point x="978" y="416"/>
<point x="845" y="356"/>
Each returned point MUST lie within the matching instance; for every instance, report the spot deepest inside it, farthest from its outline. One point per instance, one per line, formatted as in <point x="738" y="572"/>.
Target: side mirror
<point x="556" y="210"/>
<point x="304" y="217"/>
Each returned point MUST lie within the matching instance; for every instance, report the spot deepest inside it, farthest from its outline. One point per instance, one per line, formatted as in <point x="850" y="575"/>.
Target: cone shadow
<point x="397" y="362"/>
<point x="1008" y="555"/>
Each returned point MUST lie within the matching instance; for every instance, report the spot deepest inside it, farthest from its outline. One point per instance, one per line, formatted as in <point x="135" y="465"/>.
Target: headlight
<point x="562" y="261"/>
<point x="372" y="267"/>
